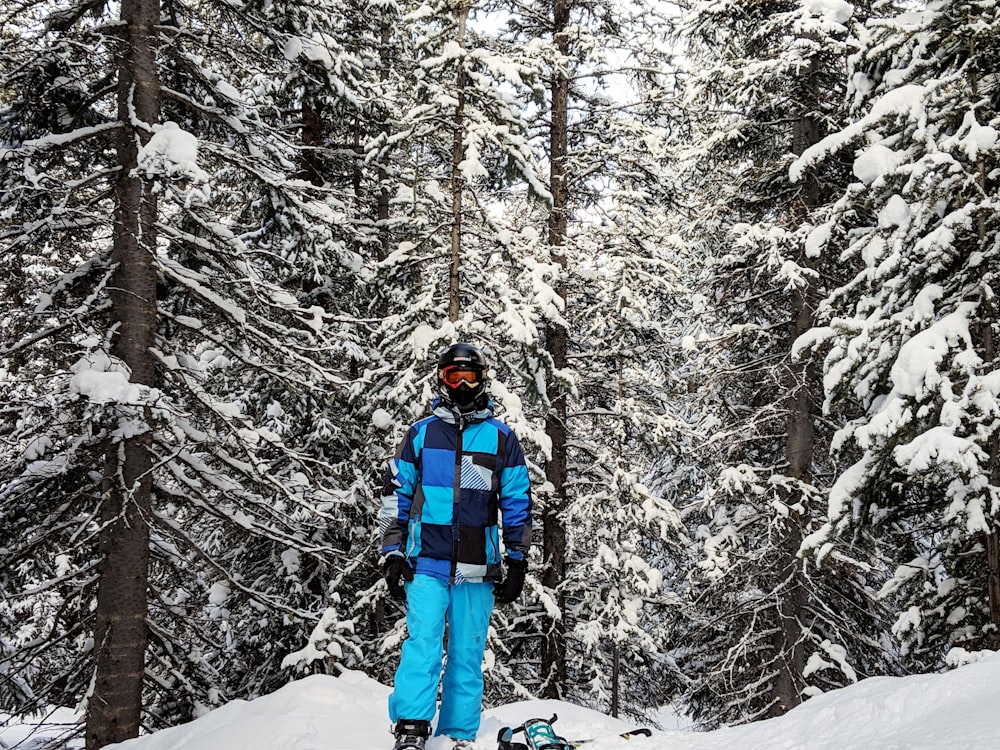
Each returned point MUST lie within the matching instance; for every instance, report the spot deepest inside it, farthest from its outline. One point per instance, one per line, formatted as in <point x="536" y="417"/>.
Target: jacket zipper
<point x="456" y="498"/>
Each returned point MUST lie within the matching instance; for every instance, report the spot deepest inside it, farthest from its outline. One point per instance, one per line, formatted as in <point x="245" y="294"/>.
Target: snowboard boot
<point x="411" y="734"/>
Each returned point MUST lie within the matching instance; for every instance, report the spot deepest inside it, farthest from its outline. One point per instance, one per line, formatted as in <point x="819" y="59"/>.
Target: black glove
<point x="394" y="570"/>
<point x="510" y="587"/>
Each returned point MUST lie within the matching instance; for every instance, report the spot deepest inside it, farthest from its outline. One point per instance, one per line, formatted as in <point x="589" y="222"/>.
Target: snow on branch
<point x="906" y="101"/>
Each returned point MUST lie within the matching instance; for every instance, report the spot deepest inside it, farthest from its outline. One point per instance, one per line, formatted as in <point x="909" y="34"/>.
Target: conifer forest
<point x="732" y="262"/>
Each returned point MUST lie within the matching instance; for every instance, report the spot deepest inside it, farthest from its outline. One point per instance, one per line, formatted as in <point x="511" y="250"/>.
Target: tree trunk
<point x="120" y="631"/>
<point x="993" y="584"/>
<point x="382" y="205"/>
<point x="312" y="140"/>
<point x="789" y="646"/>
<point x="987" y="346"/>
<point x="616" y="674"/>
<point x="457" y="180"/>
<point x="554" y="534"/>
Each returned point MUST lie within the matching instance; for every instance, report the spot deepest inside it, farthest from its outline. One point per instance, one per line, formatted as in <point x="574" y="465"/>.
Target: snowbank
<point x="950" y="711"/>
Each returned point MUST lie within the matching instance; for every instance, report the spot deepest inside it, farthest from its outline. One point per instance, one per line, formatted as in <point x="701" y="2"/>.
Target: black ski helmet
<point x="463" y="358"/>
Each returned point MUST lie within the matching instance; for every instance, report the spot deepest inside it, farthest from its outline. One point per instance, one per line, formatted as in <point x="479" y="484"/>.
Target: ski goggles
<point x="454" y="375"/>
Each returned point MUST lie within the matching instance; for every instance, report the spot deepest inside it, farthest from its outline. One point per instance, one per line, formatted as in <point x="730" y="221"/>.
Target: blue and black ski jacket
<point x="451" y="481"/>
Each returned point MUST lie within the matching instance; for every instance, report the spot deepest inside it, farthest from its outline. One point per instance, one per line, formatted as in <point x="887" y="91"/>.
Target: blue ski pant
<point x="431" y="605"/>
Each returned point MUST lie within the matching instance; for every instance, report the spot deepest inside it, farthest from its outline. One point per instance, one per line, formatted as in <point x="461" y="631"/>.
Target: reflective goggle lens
<point x="454" y="377"/>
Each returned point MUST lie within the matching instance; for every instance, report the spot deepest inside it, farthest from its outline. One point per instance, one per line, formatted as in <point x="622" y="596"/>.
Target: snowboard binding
<point x="538" y="735"/>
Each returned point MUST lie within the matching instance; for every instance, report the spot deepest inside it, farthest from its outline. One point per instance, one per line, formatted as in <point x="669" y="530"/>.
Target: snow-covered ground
<point x="952" y="711"/>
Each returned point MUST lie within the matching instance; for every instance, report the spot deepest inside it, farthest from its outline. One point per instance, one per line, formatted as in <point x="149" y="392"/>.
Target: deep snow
<point x="956" y="710"/>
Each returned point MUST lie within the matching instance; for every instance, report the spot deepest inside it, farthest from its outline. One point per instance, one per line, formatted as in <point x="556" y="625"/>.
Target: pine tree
<point x="911" y="335"/>
<point x="768" y="77"/>
<point x="595" y="358"/>
<point x="625" y="416"/>
<point x="242" y="359"/>
<point x="452" y="140"/>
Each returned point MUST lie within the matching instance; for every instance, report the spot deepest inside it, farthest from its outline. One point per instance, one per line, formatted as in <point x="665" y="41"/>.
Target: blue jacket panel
<point x="451" y="485"/>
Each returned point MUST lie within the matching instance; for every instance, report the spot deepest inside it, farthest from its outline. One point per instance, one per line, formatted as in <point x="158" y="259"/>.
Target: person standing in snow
<point x="456" y="474"/>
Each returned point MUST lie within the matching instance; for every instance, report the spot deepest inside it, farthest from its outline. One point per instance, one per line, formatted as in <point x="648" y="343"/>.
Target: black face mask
<point x="464" y="397"/>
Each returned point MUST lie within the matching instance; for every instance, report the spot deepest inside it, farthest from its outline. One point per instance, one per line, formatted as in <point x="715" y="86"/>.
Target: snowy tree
<point x="455" y="137"/>
<point x="618" y="609"/>
<point x="217" y="416"/>
<point x="604" y="286"/>
<point x="452" y="140"/>
<point x="769" y="82"/>
<point x="626" y="415"/>
<point x="911" y="356"/>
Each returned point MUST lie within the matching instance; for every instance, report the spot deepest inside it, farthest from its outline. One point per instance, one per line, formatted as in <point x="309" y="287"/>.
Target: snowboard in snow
<point x="539" y="735"/>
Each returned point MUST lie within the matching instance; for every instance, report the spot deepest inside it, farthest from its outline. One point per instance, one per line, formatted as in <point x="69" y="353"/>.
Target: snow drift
<point x="951" y="711"/>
